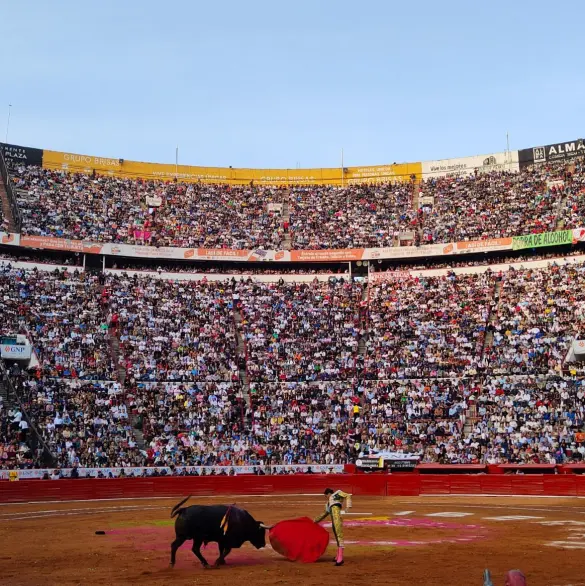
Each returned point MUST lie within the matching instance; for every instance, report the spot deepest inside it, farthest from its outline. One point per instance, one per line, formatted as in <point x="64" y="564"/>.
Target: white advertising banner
<point x="259" y="255"/>
<point x="15" y="351"/>
<point x="10" y="238"/>
<point x="179" y="471"/>
<point x="506" y="161"/>
<point x="154" y="201"/>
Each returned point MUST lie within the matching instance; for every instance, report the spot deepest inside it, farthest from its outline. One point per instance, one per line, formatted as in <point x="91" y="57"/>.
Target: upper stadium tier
<point x="496" y="202"/>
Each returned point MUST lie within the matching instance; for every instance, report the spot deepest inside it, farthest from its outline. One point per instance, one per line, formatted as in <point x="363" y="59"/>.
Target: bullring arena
<point x="400" y="344"/>
<point x="434" y="540"/>
<point x="401" y="540"/>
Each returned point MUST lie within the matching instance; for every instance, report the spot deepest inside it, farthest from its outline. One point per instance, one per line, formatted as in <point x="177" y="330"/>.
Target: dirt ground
<point x="427" y="541"/>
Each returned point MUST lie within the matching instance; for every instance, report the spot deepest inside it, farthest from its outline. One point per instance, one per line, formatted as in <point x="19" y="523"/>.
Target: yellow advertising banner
<point x="75" y="163"/>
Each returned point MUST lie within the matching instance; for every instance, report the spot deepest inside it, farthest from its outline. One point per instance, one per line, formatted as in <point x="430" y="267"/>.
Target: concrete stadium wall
<point x="357" y="484"/>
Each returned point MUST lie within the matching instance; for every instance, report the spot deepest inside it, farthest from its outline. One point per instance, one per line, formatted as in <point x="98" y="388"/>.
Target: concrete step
<point x="115" y="355"/>
<point x="286" y="209"/>
<point x="138" y="435"/>
<point x="287" y="240"/>
<point x="560" y="224"/>
<point x="7" y="401"/>
<point x="7" y="219"/>
<point x="489" y="337"/>
<point x="241" y="355"/>
<point x="415" y="195"/>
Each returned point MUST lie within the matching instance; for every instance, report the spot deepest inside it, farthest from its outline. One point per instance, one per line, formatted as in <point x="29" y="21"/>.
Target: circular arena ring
<point x="428" y="541"/>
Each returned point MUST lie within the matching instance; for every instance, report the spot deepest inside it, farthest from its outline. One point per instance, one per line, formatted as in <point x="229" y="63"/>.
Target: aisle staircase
<point x="35" y="441"/>
<point x="138" y="435"/>
<point x="120" y="375"/>
<point x="287" y="241"/>
<point x="120" y="372"/>
<point x="241" y="356"/>
<point x="415" y="206"/>
<point x="470" y="420"/>
<point x="489" y="336"/>
<point x="415" y="194"/>
<point x="561" y="205"/>
<point x="10" y="226"/>
<point x="362" y="350"/>
<point x="7" y="400"/>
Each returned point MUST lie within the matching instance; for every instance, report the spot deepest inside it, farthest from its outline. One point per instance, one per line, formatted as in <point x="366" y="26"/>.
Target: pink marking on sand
<point x="158" y="539"/>
<point x="413" y="523"/>
<point x="408" y="543"/>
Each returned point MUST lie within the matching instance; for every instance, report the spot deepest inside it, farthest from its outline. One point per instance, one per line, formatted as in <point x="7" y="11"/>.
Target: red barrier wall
<point x="357" y="484"/>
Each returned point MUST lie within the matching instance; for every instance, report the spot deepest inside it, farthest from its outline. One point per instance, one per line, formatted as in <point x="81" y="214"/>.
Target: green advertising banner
<point x="544" y="239"/>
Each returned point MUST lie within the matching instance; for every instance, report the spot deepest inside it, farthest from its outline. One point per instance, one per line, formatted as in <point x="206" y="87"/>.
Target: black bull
<point x="229" y="526"/>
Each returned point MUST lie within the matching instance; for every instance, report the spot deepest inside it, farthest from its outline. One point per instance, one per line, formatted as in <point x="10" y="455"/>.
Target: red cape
<point x="299" y="540"/>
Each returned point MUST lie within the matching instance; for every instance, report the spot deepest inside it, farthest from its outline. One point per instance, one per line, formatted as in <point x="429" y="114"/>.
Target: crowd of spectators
<point x="355" y="216"/>
<point x="423" y="365"/>
<point x="539" y="313"/>
<point x="193" y="425"/>
<point x="15" y="451"/>
<point x="572" y="214"/>
<point x="305" y="422"/>
<point x="84" y="424"/>
<point x="488" y="205"/>
<point x="63" y="314"/>
<point x="427" y="326"/>
<point x="109" y="209"/>
<point x="522" y="419"/>
<point x="300" y="331"/>
<point x="494" y="204"/>
<point x="174" y="330"/>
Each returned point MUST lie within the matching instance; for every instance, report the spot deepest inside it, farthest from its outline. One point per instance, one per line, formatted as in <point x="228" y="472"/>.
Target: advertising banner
<point x="154" y="201"/>
<point x="506" y="161"/>
<point x="22" y="155"/>
<point x="487" y="245"/>
<point x="169" y="172"/>
<point x="9" y="238"/>
<point x="333" y="255"/>
<point x="51" y="243"/>
<point x="383" y="173"/>
<point x="404" y="251"/>
<point x="15" y="352"/>
<point x="389" y="276"/>
<point x="578" y="235"/>
<point x="260" y="255"/>
<point x="562" y="151"/>
<point x="178" y="471"/>
<point x="393" y="461"/>
<point x="544" y="239"/>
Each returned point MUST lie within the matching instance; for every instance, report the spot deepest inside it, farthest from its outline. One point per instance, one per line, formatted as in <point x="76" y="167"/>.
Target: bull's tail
<point x="177" y="508"/>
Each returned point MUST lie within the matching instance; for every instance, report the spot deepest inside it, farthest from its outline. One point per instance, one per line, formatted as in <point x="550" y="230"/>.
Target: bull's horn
<point x="266" y="526"/>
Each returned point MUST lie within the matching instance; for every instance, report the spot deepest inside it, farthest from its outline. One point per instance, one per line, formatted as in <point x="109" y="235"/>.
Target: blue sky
<point x="283" y="84"/>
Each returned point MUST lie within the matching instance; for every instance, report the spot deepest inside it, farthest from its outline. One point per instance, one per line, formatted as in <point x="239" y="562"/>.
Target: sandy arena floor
<point x="430" y="541"/>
